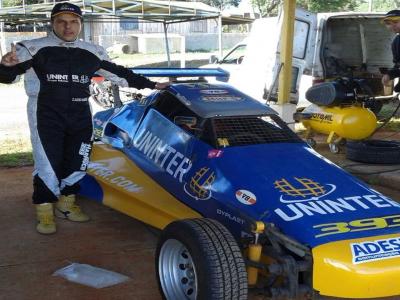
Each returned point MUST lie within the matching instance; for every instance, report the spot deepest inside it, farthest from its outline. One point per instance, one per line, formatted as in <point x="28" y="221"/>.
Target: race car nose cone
<point x="358" y="268"/>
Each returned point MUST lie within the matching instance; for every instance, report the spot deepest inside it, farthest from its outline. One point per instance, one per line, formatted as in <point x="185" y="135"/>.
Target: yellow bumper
<point x="358" y="268"/>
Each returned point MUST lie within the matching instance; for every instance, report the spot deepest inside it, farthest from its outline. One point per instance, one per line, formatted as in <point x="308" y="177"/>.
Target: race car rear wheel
<point x="200" y="259"/>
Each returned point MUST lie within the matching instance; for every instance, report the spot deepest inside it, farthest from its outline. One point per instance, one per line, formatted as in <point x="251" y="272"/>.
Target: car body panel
<point x="312" y="193"/>
<point x="123" y="186"/>
<point x="208" y="100"/>
<point x="155" y="170"/>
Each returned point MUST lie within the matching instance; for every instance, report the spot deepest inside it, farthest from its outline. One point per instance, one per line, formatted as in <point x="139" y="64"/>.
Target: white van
<point x="326" y="46"/>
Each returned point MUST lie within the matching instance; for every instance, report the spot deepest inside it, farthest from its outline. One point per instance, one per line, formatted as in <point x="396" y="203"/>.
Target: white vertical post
<point x="166" y="43"/>
<point x="220" y="54"/>
<point x="3" y="36"/>
<point x="370" y="5"/>
<point x="183" y="51"/>
<point x="87" y="31"/>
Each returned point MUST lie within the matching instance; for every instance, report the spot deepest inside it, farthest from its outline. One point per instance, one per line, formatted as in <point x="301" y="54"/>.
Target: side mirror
<point x="213" y="59"/>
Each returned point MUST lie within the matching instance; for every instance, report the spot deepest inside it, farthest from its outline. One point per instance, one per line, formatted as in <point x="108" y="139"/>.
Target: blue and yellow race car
<point x="241" y="200"/>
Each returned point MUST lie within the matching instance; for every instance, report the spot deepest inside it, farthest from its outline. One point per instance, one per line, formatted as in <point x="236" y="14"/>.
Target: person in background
<point x="392" y="23"/>
<point x="58" y="69"/>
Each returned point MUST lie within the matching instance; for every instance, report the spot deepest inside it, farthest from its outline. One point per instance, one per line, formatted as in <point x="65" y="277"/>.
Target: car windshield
<point x="235" y="56"/>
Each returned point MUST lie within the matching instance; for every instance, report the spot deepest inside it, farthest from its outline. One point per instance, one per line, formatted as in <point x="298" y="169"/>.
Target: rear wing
<point x="174" y="73"/>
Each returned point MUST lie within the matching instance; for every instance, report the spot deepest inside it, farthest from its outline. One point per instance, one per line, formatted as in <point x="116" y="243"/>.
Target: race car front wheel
<point x="200" y="259"/>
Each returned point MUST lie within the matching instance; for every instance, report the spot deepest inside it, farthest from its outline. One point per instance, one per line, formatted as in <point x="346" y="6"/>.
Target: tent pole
<point x="2" y="37"/>
<point x="285" y="78"/>
<point x="183" y="51"/>
<point x="220" y="37"/>
<point x="166" y="43"/>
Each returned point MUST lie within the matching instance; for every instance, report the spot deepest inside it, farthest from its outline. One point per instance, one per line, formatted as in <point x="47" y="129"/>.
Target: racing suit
<point x="57" y="79"/>
<point x="395" y="71"/>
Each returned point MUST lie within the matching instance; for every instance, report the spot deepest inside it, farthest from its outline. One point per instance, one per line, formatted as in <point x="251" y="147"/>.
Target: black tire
<point x="374" y="151"/>
<point x="217" y="263"/>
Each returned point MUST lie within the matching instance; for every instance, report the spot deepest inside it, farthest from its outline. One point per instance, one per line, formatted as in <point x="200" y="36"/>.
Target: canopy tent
<point x="150" y="10"/>
<point x="166" y="12"/>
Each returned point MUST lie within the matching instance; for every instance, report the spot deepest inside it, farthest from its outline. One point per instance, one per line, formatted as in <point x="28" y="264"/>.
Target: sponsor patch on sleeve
<point x="368" y="251"/>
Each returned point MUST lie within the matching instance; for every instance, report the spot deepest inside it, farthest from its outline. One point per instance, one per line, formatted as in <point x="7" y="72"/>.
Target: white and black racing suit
<point x="57" y="78"/>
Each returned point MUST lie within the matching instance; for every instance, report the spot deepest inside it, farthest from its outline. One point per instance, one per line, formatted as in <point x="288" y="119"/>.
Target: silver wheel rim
<point x="177" y="271"/>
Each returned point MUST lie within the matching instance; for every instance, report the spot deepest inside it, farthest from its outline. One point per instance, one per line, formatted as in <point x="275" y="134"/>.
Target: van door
<point x="305" y="31"/>
<point x="260" y="68"/>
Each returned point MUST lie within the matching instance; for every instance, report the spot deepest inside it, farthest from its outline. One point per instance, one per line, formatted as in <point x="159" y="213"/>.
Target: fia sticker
<point x="246" y="197"/>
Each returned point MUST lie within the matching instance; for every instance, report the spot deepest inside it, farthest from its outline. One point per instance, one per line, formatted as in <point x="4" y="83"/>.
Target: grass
<point x="15" y="152"/>
<point x="392" y="125"/>
<point x="387" y="112"/>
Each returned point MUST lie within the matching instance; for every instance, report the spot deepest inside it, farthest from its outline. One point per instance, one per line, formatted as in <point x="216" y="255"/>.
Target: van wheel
<point x="374" y="151"/>
<point x="200" y="259"/>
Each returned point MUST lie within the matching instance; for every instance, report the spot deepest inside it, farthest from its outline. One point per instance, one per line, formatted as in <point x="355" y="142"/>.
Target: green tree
<point x="269" y="7"/>
<point x="328" y="6"/>
<point x="7" y="3"/>
<point x="266" y="7"/>
<point x="221" y="4"/>
<point x="378" y="5"/>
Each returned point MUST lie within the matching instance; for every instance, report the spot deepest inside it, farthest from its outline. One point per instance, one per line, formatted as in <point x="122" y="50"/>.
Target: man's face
<point x="393" y="25"/>
<point x="67" y="26"/>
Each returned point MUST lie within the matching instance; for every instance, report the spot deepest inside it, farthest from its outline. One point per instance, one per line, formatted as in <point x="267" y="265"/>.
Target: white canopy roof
<point x="150" y="10"/>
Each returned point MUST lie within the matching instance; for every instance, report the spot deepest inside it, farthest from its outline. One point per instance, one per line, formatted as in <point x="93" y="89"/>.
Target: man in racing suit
<point x="392" y="22"/>
<point x="58" y="70"/>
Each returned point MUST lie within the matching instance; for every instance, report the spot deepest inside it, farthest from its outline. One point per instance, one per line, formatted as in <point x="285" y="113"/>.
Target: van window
<point x="293" y="83"/>
<point x="301" y="32"/>
<point x="235" y="56"/>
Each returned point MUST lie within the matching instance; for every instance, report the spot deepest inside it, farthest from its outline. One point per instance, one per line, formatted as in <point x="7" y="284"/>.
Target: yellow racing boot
<point x="67" y="209"/>
<point x="45" y="217"/>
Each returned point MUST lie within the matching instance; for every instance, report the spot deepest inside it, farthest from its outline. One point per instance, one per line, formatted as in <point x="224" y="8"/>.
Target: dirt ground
<point x="111" y="241"/>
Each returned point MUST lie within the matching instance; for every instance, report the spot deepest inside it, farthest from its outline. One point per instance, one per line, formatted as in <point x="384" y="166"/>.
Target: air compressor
<point x="338" y="110"/>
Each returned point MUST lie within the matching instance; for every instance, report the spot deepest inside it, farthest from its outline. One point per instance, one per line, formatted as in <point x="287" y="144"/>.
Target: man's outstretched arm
<point x="124" y="77"/>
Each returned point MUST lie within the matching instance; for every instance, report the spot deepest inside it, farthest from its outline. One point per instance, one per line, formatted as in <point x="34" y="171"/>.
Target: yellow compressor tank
<point x="348" y="122"/>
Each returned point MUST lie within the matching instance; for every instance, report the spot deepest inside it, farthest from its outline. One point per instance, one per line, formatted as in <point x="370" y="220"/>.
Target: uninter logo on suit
<point x="305" y="197"/>
<point x="57" y="77"/>
<point x="84" y="151"/>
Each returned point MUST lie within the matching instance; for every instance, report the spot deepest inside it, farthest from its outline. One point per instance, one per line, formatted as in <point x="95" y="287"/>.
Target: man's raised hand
<point x="10" y="59"/>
